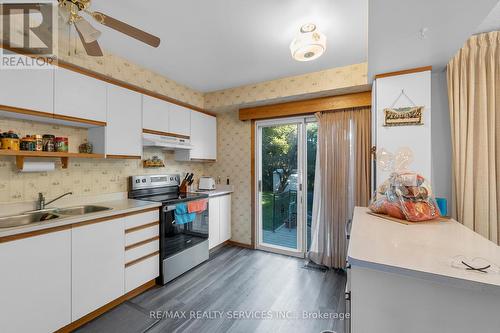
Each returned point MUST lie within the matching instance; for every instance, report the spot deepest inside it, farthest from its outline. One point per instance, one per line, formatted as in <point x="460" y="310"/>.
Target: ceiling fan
<point x="71" y="11"/>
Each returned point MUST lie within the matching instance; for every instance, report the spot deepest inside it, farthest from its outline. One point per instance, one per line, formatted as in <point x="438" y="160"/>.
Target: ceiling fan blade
<point x="89" y="33"/>
<point x="126" y="29"/>
<point x="93" y="49"/>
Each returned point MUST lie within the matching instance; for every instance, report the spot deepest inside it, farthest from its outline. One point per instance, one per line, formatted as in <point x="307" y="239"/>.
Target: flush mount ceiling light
<point x="309" y="44"/>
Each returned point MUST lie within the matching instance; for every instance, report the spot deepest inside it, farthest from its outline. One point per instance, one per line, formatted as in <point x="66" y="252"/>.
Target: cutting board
<point x="394" y="219"/>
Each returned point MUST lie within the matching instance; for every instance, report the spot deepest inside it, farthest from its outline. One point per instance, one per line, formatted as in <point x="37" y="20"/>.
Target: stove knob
<point x="137" y="181"/>
<point x="171" y="178"/>
<point x="144" y="180"/>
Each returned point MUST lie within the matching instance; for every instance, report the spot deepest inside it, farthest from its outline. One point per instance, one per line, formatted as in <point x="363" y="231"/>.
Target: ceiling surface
<point x="219" y="44"/>
<point x="492" y="21"/>
<point x="396" y="41"/>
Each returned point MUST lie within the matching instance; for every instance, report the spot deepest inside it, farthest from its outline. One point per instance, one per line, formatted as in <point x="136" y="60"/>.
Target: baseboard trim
<point x="105" y="308"/>
<point x="246" y="246"/>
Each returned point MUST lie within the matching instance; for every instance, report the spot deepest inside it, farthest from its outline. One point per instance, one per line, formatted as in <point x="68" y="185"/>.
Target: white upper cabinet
<point x="203" y="139"/>
<point x="124" y="124"/>
<point x="162" y="116"/>
<point x="203" y="136"/>
<point x="79" y="96"/>
<point x="31" y="89"/>
<point x="98" y="265"/>
<point x="155" y="114"/>
<point x="180" y="120"/>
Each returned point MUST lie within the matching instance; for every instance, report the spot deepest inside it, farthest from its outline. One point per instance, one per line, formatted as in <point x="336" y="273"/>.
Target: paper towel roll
<point x="37" y="166"/>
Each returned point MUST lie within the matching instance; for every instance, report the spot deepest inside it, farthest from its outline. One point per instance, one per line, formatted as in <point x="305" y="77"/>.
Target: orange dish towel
<point x="197" y="206"/>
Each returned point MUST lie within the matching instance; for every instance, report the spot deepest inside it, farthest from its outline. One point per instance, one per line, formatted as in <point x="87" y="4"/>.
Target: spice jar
<point x="38" y="142"/>
<point x="10" y="141"/>
<point x="48" y="142"/>
<point x="28" y="143"/>
<point x="61" y="144"/>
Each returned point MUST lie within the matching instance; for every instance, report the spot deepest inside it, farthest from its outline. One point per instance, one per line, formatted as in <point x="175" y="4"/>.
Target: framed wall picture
<point x="405" y="116"/>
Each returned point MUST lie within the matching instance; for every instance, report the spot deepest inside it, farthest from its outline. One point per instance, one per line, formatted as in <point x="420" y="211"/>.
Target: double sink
<point x="48" y="214"/>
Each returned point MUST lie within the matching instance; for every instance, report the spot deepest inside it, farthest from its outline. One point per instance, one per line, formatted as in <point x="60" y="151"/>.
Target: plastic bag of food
<point x="407" y="196"/>
<point x="404" y="195"/>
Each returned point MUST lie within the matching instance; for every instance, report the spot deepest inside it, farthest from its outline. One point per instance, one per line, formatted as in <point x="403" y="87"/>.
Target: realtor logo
<point x="28" y="34"/>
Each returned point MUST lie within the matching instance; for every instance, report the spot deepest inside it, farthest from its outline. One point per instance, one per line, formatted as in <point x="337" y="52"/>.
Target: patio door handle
<point x="260" y="186"/>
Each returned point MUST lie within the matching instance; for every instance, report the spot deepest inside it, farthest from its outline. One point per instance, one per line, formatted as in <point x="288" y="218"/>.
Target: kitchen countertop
<point x="223" y="190"/>
<point x="119" y="206"/>
<point x="420" y="250"/>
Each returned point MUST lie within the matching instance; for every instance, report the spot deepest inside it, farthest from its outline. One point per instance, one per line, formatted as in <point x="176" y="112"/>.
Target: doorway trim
<point x="302" y="183"/>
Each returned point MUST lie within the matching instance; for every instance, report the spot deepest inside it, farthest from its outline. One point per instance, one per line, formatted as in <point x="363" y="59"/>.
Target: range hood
<point x="165" y="142"/>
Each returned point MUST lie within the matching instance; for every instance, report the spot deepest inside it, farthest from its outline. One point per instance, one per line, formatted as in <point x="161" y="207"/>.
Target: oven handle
<point x="168" y="208"/>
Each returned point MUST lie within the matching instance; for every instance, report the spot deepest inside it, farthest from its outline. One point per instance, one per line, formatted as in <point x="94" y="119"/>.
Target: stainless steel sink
<point x="23" y="219"/>
<point x="36" y="216"/>
<point x="81" y="210"/>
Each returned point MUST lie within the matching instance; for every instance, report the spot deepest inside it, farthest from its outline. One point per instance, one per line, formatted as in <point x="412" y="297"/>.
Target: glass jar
<point x="28" y="143"/>
<point x="38" y="142"/>
<point x="10" y="141"/>
<point x="48" y="142"/>
<point x="61" y="144"/>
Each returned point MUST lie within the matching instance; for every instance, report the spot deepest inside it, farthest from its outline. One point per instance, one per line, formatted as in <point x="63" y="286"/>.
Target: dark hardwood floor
<point x="235" y="282"/>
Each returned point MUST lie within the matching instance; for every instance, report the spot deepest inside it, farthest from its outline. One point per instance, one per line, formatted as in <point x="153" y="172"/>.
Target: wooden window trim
<point x="309" y="106"/>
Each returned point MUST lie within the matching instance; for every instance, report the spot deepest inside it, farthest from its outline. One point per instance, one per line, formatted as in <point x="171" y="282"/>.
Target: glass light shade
<point x="308" y="46"/>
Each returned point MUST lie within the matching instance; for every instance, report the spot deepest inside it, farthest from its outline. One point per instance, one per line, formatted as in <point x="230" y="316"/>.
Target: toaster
<point x="206" y="183"/>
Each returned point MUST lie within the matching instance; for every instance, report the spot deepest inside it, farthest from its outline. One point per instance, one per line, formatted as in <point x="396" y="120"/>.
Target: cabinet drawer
<point x="142" y="250"/>
<point x="142" y="234"/>
<point x="141" y="272"/>
<point x="133" y="221"/>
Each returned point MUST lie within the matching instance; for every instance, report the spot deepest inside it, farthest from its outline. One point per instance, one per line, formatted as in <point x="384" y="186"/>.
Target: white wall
<point x="441" y="138"/>
<point x="418" y="138"/>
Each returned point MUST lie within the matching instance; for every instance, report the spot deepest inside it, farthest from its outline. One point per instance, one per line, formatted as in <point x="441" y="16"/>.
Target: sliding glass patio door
<point x="285" y="157"/>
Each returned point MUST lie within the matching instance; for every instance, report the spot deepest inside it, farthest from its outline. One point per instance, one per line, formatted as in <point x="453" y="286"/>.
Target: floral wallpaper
<point x="233" y="162"/>
<point x="327" y="80"/>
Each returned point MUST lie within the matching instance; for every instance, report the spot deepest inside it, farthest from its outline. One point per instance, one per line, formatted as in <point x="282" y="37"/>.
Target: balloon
<point x="385" y="160"/>
<point x="402" y="159"/>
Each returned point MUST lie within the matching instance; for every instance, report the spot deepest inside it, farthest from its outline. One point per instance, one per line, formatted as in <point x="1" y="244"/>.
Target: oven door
<point x="176" y="236"/>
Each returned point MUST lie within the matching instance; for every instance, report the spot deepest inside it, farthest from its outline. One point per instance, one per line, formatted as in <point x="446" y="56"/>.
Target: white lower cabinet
<point x="219" y="220"/>
<point x="98" y="265"/>
<point x="35" y="283"/>
<point x="50" y="280"/>
<point x="142" y="246"/>
<point x="213" y="222"/>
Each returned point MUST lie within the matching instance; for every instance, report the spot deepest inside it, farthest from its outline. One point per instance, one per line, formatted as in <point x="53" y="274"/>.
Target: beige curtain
<point x="342" y="180"/>
<point x="474" y="98"/>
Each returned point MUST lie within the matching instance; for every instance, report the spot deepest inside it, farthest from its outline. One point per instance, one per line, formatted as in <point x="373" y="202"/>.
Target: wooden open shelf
<point x="22" y="154"/>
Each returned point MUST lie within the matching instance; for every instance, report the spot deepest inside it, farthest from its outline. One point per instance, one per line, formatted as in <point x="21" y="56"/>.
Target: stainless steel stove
<point x="182" y="245"/>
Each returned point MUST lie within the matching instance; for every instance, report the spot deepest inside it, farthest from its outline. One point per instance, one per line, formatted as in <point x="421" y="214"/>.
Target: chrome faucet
<point x="41" y="204"/>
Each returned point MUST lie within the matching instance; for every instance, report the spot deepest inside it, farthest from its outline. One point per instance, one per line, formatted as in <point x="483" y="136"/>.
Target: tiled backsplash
<point x="84" y="176"/>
